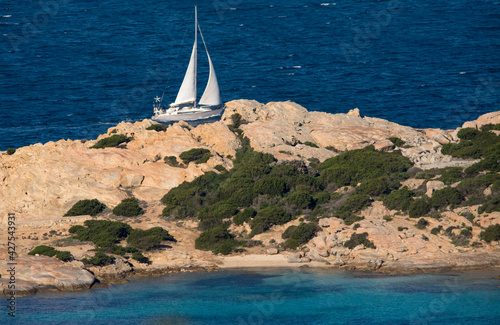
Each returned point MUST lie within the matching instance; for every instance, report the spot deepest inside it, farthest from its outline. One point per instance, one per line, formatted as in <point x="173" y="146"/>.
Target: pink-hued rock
<point x="488" y="118"/>
<point x="48" y="271"/>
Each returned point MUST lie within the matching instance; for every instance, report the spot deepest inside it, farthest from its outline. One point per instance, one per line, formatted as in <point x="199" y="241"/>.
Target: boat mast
<point x="196" y="52"/>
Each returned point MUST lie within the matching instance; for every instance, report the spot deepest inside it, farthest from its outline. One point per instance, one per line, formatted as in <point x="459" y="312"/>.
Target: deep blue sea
<point x="73" y="68"/>
<point x="285" y="297"/>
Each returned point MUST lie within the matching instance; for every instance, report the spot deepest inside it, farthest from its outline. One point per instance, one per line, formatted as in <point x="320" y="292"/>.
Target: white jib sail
<point x="211" y="95"/>
<point x="187" y="92"/>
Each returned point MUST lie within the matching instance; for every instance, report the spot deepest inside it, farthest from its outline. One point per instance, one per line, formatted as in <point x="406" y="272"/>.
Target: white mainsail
<point x="187" y="92"/>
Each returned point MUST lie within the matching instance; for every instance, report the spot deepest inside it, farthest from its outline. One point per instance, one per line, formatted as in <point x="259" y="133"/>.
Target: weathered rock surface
<point x="37" y="273"/>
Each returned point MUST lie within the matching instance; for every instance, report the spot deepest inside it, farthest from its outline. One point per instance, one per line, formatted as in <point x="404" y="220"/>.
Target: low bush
<point x="492" y="233"/>
<point x="148" y="239"/>
<point x="268" y="217"/>
<point x="11" y="151"/>
<point x="399" y="199"/>
<point x="99" y="259"/>
<point x="218" y="240"/>
<point x="244" y="216"/>
<point x="113" y="141"/>
<point x="359" y="239"/>
<point x="421" y="223"/>
<point x="128" y="208"/>
<point x="44" y="250"/>
<point x="397" y="141"/>
<point x="419" y="208"/>
<point x="377" y="186"/>
<point x="140" y="258"/>
<point x="311" y="144"/>
<point x="198" y="155"/>
<point x="102" y="233"/>
<point x="301" y="234"/>
<point x="157" y="127"/>
<point x="444" y="197"/>
<point x="493" y="204"/>
<point x="272" y="185"/>
<point x="353" y="204"/>
<point x="86" y="207"/>
<point x="402" y="228"/>
<point x="301" y="200"/>
<point x="64" y="256"/>
<point x="451" y="175"/>
<point x="436" y="230"/>
<point x="171" y="161"/>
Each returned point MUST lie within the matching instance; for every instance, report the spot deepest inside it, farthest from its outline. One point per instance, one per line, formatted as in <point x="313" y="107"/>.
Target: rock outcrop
<point x="40" y="273"/>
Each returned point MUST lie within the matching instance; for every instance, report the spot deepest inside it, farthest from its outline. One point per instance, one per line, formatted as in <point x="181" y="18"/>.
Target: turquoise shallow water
<point x="276" y="297"/>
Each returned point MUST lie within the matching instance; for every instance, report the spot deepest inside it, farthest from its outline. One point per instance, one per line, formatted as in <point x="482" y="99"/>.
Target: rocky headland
<point x="41" y="182"/>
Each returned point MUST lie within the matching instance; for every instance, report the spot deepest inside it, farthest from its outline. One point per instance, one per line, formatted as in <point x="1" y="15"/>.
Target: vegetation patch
<point x="217" y="239"/>
<point x="419" y="208"/>
<point x="99" y="259"/>
<point x="311" y="144"/>
<point x="492" y="233"/>
<point x="198" y="155"/>
<point x="300" y="235"/>
<point x="128" y="208"/>
<point x="157" y="128"/>
<point x="148" y="239"/>
<point x="244" y="216"/>
<point x="268" y="217"/>
<point x="444" y="197"/>
<point x="171" y="161"/>
<point x="86" y="207"/>
<point x="11" y="151"/>
<point x="397" y="141"/>
<point x="359" y="239"/>
<point x="113" y="141"/>
<point x="399" y="199"/>
<point x="492" y="204"/>
<point x="64" y="256"/>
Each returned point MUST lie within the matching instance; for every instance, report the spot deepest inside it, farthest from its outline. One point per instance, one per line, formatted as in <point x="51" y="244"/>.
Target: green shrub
<point x="444" y="197"/>
<point x="99" y="259"/>
<point x="474" y="144"/>
<point x="387" y="218"/>
<point x="493" y="204"/>
<point x="377" y="186"/>
<point x="492" y="233"/>
<point x="272" y="185"/>
<point x="102" y="233"/>
<point x="436" y="230"/>
<point x="171" y="161"/>
<point x="244" y="216"/>
<point x="353" y="204"/>
<point x="242" y="197"/>
<point x="360" y="165"/>
<point x="421" y="223"/>
<point x="217" y="239"/>
<point x="402" y="228"/>
<point x="44" y="250"/>
<point x="140" y="258"/>
<point x="359" y="239"/>
<point x="148" y="239"/>
<point x="220" y="169"/>
<point x="397" y="141"/>
<point x="64" y="256"/>
<point x="268" y="217"/>
<point x="112" y="141"/>
<point x="198" y="155"/>
<point x="419" y="208"/>
<point x="236" y="121"/>
<point x="86" y="207"/>
<point x="157" y="127"/>
<point x="288" y="232"/>
<point x="351" y="218"/>
<point x="311" y="144"/>
<point x="301" y="200"/>
<point x="11" y="151"/>
<point x="451" y="175"/>
<point x="128" y="208"/>
<point x="399" y="199"/>
<point x="301" y="235"/>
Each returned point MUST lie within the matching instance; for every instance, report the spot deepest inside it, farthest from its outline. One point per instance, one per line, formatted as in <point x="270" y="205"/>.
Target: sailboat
<point x="186" y="107"/>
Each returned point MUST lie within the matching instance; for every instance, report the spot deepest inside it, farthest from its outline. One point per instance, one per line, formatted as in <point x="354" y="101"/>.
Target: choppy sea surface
<point x="290" y="297"/>
<point x="73" y="68"/>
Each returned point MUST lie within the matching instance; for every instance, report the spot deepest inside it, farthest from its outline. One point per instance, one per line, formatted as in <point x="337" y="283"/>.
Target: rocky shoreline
<point x="39" y="183"/>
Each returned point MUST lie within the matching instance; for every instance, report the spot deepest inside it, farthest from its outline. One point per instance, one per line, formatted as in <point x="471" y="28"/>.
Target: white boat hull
<point x="187" y="116"/>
